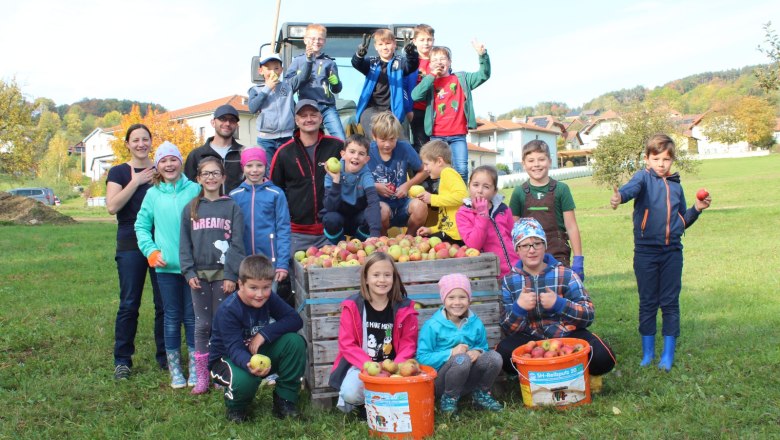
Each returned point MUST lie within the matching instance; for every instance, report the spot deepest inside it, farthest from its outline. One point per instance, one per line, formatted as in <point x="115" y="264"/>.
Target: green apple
<point x="259" y="362"/>
<point x="333" y="164"/>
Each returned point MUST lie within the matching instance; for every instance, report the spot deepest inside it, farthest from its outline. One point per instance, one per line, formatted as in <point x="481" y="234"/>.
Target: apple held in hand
<point x="259" y="362"/>
<point x="416" y="190"/>
<point x="334" y="165"/>
<point x="702" y="194"/>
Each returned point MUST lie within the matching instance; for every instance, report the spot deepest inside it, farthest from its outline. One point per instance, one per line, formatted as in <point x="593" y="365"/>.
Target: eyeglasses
<point x="315" y="39"/>
<point x="206" y="174"/>
<point x="529" y="246"/>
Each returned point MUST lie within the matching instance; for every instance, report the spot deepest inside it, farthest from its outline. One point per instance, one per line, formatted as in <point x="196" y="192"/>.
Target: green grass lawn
<point x="58" y="300"/>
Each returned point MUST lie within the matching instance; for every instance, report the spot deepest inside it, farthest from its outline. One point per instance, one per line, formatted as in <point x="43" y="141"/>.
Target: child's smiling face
<point x="355" y="157"/>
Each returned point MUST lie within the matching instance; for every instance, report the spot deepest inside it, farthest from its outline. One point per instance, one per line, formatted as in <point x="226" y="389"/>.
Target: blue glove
<point x="578" y="266"/>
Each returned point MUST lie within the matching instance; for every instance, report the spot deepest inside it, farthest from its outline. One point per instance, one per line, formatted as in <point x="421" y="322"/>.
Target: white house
<point x="707" y="147"/>
<point x="606" y="123"/>
<point x="777" y="131"/>
<point x="507" y="137"/>
<point x="99" y="156"/>
<point x="479" y="156"/>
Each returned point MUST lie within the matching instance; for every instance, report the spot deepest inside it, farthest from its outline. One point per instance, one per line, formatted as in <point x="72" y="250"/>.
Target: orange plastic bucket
<point x="562" y="381"/>
<point x="400" y="407"/>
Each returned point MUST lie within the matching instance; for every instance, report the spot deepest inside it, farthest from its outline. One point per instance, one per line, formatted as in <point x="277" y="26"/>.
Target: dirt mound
<point x="26" y="211"/>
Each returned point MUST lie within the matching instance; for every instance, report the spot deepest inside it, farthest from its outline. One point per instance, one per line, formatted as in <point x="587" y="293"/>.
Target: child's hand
<point x="258" y="372"/>
<point x="425" y="197"/>
<point x="409" y="46"/>
<point x="480" y="206"/>
<point x="402" y="191"/>
<point x="228" y="287"/>
<point x="336" y="177"/>
<point x="310" y="52"/>
<point x="280" y="275"/>
<point x="473" y="355"/>
<point x="423" y="231"/>
<point x="527" y="299"/>
<point x="616" y="199"/>
<point x="437" y="70"/>
<point x="701" y="205"/>
<point x="479" y="47"/>
<point x="194" y="283"/>
<point x="362" y="49"/>
<point x="333" y="79"/>
<point x="155" y="259"/>
<point x="272" y="80"/>
<point x="547" y="298"/>
<point x="257" y="341"/>
<point x="459" y="349"/>
<point x="383" y="190"/>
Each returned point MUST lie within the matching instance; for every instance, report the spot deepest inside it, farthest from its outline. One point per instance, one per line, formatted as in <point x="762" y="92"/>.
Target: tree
<point x="56" y="162"/>
<point x="162" y="128"/>
<point x="769" y="77"/>
<point x="620" y="154"/>
<point x="48" y="125"/>
<point x="16" y="132"/>
<point x="748" y="118"/>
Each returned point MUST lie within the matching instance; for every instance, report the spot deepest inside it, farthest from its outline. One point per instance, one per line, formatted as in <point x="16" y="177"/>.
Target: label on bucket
<point x="388" y="412"/>
<point x="558" y="387"/>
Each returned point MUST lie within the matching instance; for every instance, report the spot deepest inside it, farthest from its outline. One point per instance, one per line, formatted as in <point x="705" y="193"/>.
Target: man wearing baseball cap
<point x="222" y="146"/>
<point x="298" y="168"/>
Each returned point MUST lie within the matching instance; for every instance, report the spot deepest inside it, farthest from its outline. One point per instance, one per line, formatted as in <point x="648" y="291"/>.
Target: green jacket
<point x="161" y="210"/>
<point x="468" y="81"/>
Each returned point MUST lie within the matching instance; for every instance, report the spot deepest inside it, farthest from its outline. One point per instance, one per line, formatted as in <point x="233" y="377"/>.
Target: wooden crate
<point x="319" y="293"/>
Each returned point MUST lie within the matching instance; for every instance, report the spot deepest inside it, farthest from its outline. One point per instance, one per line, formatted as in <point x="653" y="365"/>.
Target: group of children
<point x="197" y="238"/>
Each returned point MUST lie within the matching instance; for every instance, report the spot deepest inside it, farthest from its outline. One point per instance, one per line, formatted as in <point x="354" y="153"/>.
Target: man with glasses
<point x="222" y="146"/>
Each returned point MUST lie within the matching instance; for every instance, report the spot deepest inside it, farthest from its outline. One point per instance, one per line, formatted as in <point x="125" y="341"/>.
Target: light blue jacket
<point x="439" y="335"/>
<point x="276" y="107"/>
<point x="162" y="209"/>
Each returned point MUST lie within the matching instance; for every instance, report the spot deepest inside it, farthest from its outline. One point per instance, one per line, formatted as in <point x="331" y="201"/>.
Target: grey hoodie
<point x="214" y="241"/>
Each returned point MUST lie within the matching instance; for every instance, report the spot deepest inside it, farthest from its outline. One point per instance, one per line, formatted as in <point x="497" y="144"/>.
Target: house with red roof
<point x="507" y="137"/>
<point x="97" y="145"/>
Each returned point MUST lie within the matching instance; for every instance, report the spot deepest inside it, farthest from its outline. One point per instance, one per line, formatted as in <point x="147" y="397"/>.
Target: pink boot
<point x="202" y="369"/>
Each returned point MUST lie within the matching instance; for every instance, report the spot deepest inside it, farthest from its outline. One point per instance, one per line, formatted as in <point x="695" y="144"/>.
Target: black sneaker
<point x="360" y="412"/>
<point x="121" y="372"/>
<point x="236" y="415"/>
<point x="284" y="408"/>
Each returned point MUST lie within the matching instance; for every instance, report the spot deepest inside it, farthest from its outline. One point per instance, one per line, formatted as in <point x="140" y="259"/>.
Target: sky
<point x="179" y="53"/>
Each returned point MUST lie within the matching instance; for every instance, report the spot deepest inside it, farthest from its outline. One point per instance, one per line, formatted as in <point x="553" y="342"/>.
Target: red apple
<point x="537" y="352"/>
<point x="550" y="354"/>
<point x="442" y="254"/>
<point x="312" y="251"/>
<point x="702" y="194"/>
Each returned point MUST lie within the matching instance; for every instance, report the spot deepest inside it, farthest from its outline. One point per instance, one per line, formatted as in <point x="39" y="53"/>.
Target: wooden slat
<point x="485" y="265"/>
<point x="327" y="327"/>
<point x="324" y="352"/>
<point x="480" y="285"/>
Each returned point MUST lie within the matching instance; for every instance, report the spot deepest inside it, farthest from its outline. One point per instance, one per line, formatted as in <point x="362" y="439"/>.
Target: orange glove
<point x="155" y="259"/>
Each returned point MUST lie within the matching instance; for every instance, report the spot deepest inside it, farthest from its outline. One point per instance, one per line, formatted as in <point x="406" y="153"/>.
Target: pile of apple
<point x="402" y="248"/>
<point x="388" y="368"/>
<point x="548" y="348"/>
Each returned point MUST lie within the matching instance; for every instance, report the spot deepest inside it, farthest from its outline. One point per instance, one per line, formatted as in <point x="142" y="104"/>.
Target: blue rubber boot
<point x="648" y="350"/>
<point x="335" y="238"/>
<point x="667" y="356"/>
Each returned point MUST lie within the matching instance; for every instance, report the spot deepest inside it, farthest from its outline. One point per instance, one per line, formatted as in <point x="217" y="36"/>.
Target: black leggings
<point x="602" y="362"/>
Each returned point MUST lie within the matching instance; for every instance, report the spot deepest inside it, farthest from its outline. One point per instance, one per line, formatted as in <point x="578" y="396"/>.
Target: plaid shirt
<point x="575" y="311"/>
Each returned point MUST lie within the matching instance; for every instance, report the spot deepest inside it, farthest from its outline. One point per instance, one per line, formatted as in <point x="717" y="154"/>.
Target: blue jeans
<point x="658" y="271"/>
<point x="460" y="154"/>
<point x="332" y="121"/>
<point x="270" y="146"/>
<point x="177" y="304"/>
<point x="132" y="268"/>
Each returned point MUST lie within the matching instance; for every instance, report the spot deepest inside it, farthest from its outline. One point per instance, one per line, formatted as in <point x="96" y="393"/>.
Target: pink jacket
<point x="479" y="233"/>
<point x="351" y="336"/>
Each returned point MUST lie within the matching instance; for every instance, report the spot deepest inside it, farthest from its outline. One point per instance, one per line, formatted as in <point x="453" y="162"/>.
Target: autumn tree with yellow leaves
<point x="162" y="128"/>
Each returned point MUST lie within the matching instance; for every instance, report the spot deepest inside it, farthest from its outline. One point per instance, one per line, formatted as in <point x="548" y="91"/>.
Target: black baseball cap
<point x="224" y="110"/>
<point x="306" y="103"/>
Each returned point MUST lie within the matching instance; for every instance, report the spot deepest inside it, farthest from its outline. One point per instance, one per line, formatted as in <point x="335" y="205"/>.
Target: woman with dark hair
<point x="126" y="187"/>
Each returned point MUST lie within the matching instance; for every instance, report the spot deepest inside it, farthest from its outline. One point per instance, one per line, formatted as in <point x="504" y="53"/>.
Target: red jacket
<point x="351" y="336"/>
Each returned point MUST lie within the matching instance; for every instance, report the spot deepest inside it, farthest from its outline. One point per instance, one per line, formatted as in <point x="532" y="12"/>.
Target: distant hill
<point x="99" y="107"/>
<point x="692" y="94"/>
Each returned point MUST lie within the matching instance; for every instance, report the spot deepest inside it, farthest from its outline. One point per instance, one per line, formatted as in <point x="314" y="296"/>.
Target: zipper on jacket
<point x="252" y="229"/>
<point x="300" y="168"/>
<point x="273" y="252"/>
<point x="668" y="212"/>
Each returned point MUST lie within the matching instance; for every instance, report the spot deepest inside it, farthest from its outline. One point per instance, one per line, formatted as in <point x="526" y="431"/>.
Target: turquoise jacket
<point x="468" y="82"/>
<point x="161" y="210"/>
<point x="439" y="335"/>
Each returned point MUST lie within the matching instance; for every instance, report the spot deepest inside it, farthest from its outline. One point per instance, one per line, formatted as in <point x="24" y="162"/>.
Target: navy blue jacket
<point x="660" y="217"/>
<point x="236" y="323"/>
